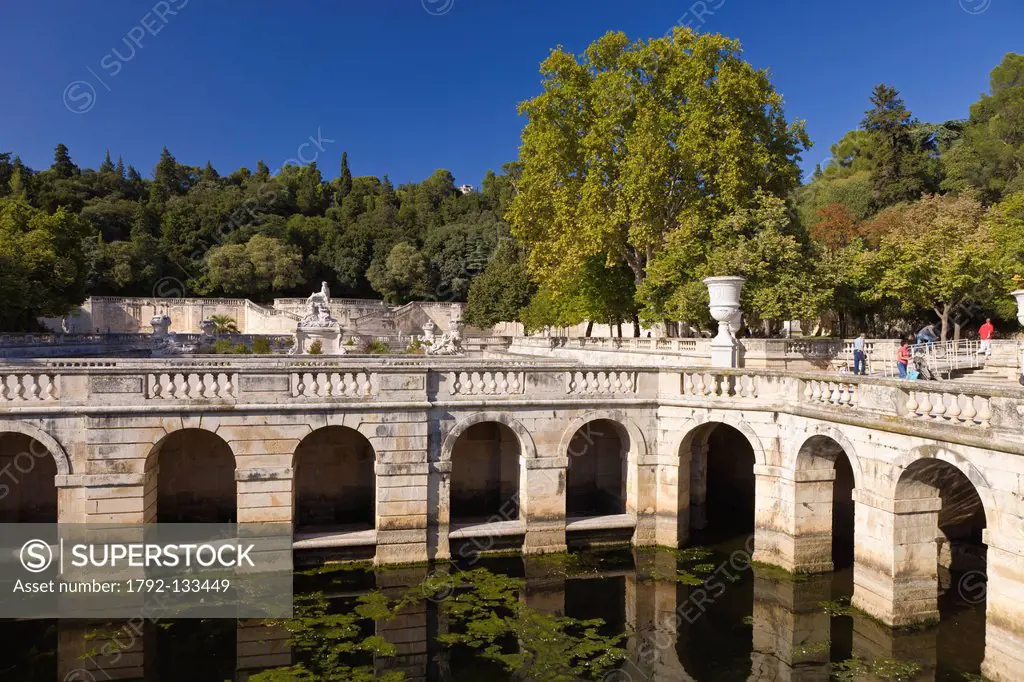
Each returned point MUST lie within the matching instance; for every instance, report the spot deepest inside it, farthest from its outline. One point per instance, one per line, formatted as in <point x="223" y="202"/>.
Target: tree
<point x="42" y="269"/>
<point x="938" y="256"/>
<point x="628" y="141"/>
<point x="901" y="171"/>
<point x="400" y="276"/>
<point x="210" y="173"/>
<point x="598" y="294"/>
<point x="62" y="165"/>
<point x="990" y="156"/>
<point x="224" y="324"/>
<point x="258" y="268"/>
<point x="1005" y="223"/>
<point x="344" y="180"/>
<point x="502" y="290"/>
<point x="108" y="165"/>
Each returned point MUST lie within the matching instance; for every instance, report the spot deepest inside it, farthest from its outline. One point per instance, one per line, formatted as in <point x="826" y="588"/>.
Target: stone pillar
<point x="402" y="502"/>
<point x="699" y="486"/>
<point x="793" y="518"/>
<point x="439" y="479"/>
<point x="895" y="575"/>
<point x="1004" y="613"/>
<point x="791" y="629"/>
<point x="672" y="517"/>
<point x="265" y="494"/>
<point x="542" y="504"/>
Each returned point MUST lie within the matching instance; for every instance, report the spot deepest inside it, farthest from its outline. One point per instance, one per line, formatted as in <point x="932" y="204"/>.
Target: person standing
<point x="927" y="335"/>
<point x="859" y="359"/>
<point x="985" y="333"/>
<point x="902" y="358"/>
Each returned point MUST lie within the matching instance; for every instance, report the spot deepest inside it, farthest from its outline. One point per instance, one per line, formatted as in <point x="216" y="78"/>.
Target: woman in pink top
<point x="902" y="358"/>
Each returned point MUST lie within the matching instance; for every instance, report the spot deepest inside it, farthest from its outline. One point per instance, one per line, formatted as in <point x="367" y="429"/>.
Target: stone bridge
<point x="409" y="461"/>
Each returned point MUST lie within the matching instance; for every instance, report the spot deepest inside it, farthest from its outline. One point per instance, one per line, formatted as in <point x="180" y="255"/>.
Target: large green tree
<point x="42" y="265"/>
<point x="990" y="157"/>
<point x="630" y="141"/>
<point x="937" y="256"/>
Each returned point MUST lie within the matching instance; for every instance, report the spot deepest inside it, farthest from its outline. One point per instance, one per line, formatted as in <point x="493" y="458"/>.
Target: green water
<point x="613" y="615"/>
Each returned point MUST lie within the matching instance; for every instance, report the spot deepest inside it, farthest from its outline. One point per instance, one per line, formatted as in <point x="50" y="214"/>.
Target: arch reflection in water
<point x="632" y="612"/>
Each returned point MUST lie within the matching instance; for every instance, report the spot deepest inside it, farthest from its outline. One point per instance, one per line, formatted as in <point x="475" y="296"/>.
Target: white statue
<point x="450" y="344"/>
<point x="323" y="296"/>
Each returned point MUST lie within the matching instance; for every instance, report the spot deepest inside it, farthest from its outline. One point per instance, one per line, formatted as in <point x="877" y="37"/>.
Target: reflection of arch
<point x="527" y="449"/>
<point x="699" y="428"/>
<point x="334" y="478"/>
<point x="802" y="458"/>
<point x="634" y="437"/>
<point x="60" y="457"/>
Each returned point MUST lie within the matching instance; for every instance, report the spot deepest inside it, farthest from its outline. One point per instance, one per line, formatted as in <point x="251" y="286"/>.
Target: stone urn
<point x="1019" y="295"/>
<point x="160" y="324"/>
<point x="208" y="327"/>
<point x="724" y="294"/>
<point x="428" y="331"/>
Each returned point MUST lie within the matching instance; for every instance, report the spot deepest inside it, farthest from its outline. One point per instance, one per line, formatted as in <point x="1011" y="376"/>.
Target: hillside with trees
<point x="644" y="167"/>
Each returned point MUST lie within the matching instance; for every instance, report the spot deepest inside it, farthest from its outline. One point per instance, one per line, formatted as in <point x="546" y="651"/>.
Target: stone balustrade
<point x="255" y="380"/>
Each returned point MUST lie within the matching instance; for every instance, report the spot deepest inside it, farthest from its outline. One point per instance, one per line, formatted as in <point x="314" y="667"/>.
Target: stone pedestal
<point x="329" y="338"/>
<point x="724" y="293"/>
<point x="895" y="575"/>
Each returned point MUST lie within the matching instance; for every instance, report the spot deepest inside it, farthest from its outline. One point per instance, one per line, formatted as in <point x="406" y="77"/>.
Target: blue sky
<point x="408" y="86"/>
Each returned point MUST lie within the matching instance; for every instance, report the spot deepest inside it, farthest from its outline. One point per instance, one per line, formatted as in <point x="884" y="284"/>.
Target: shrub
<point x="376" y="347"/>
<point x="261" y="346"/>
<point x="417" y="347"/>
<point x="226" y="347"/>
<point x="316" y="348"/>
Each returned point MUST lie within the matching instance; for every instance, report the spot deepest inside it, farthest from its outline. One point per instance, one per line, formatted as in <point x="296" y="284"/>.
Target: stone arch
<point x="60" y="457"/>
<point x="693" y="425"/>
<point x="527" y="449"/>
<point x="942" y="453"/>
<point x="940" y="514"/>
<point x="191" y="504"/>
<point x="637" y="442"/>
<point x="800" y="458"/>
<point x="334" y="479"/>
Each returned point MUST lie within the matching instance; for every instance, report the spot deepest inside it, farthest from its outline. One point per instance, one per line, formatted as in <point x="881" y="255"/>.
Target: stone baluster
<point x="5" y="391"/>
<point x="834" y="395"/>
<point x="939" y="406"/>
<point x="926" y="405"/>
<point x="985" y="413"/>
<point x="953" y="411"/>
<point x="912" y="404"/>
<point x="300" y="386"/>
<point x="969" y="411"/>
<point x="19" y="388"/>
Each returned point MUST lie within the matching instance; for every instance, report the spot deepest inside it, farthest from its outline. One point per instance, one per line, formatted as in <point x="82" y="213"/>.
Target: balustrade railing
<point x="29" y="387"/>
<point x="602" y="382"/>
<point x="951" y="407"/>
<point x="100" y="384"/>
<point x="485" y="383"/>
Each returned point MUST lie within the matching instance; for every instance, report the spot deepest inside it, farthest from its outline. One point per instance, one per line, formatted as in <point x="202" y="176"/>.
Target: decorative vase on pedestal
<point x="160" y="324"/>
<point x="724" y="293"/>
<point x="1019" y="295"/>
